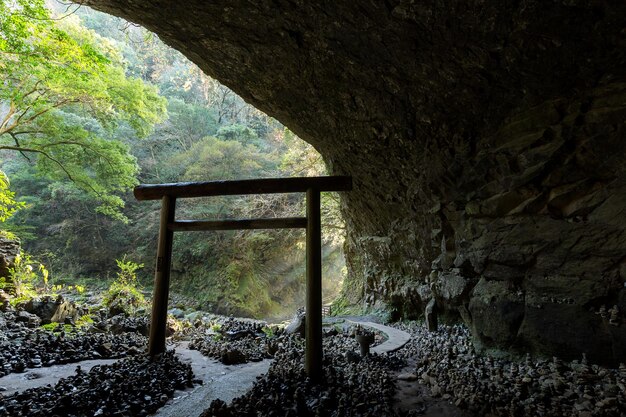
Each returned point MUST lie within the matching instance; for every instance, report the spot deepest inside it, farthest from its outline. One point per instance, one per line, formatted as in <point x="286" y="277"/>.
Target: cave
<point x="486" y="141"/>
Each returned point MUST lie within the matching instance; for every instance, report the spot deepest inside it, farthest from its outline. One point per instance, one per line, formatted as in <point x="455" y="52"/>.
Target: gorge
<point x="485" y="139"/>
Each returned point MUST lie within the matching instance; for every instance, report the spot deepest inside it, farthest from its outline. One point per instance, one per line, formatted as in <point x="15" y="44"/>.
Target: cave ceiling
<point x="485" y="138"/>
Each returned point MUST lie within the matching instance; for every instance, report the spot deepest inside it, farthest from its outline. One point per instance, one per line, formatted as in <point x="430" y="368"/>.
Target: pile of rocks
<point x="23" y="346"/>
<point x="448" y="363"/>
<point x="42" y="348"/>
<point x="235" y="341"/>
<point x="352" y="386"/>
<point x="51" y="309"/>
<point x="121" y="323"/>
<point x="134" y="386"/>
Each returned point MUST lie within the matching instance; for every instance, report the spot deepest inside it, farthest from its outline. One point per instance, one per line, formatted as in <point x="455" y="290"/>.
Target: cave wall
<point x="486" y="139"/>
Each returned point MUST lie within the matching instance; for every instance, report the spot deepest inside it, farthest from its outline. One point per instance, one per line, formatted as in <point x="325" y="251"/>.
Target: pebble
<point x="135" y="386"/>
<point x="482" y="385"/>
<point x="446" y="363"/>
<point x="362" y="388"/>
<point x="235" y="342"/>
<point x="22" y="347"/>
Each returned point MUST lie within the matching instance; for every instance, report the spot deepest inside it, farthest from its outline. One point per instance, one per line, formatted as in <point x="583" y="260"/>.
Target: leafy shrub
<point x="269" y="332"/>
<point x="127" y="274"/>
<point x="57" y="328"/>
<point x="23" y="276"/>
<point x="124" y="296"/>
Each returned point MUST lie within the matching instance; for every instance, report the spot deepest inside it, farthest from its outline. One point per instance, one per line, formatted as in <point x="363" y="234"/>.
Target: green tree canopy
<point x="63" y="90"/>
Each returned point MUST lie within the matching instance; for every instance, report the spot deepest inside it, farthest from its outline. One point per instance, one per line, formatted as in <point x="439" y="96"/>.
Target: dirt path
<point x="39" y="377"/>
<point x="219" y="381"/>
<point x="395" y="338"/>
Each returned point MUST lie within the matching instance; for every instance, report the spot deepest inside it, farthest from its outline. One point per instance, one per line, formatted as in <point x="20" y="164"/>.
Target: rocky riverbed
<point x="444" y="363"/>
<point x="24" y="345"/>
<point x="131" y="387"/>
<point x="352" y="386"/>
<point x="234" y="341"/>
<point x="450" y="369"/>
<point x="487" y="386"/>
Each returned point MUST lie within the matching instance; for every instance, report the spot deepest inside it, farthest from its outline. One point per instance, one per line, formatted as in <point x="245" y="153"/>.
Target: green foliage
<point x="79" y="289"/>
<point x="210" y="134"/>
<point x="343" y="307"/>
<point x="23" y="276"/>
<point x="123" y="295"/>
<point x="188" y="123"/>
<point x="8" y="204"/>
<point x="124" y="298"/>
<point x="300" y="158"/>
<point x="58" y="79"/>
<point x="238" y="132"/>
<point x="269" y="331"/>
<point x="57" y="328"/>
<point x="213" y="158"/>
<point x="8" y="235"/>
<point x="84" y="321"/>
<point x="16" y="23"/>
<point x="127" y="274"/>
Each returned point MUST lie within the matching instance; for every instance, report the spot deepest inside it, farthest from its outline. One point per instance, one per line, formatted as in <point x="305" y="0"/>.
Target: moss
<point x="124" y="297"/>
<point x="343" y="307"/>
<point x="85" y="320"/>
<point x="57" y="328"/>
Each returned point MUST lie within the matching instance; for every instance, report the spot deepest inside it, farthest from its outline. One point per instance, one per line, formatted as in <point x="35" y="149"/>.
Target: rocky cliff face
<point x="486" y="140"/>
<point x="9" y="248"/>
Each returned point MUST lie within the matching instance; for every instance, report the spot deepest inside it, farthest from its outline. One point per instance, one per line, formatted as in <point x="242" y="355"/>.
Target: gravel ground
<point x="130" y="387"/>
<point x="23" y="347"/>
<point x="443" y="364"/>
<point x="484" y="386"/>
<point x="351" y="386"/>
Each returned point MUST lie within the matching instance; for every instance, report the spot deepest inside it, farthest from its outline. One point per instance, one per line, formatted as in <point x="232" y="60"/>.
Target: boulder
<point x="117" y="307"/>
<point x="451" y="287"/>
<point x="177" y="313"/>
<point x="5" y="301"/>
<point x="123" y="324"/>
<point x="497" y="311"/>
<point x="50" y="309"/>
<point x="9" y="248"/>
<point x="31" y="320"/>
<point x="232" y="357"/>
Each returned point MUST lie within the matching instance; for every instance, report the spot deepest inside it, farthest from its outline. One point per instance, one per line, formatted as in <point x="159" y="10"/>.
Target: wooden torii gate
<point x="312" y="186"/>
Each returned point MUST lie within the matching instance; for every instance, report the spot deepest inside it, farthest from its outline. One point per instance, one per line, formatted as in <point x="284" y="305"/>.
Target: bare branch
<point x="21" y="149"/>
<point x="17" y="143"/>
<point x="7" y="118"/>
<point x="56" y="161"/>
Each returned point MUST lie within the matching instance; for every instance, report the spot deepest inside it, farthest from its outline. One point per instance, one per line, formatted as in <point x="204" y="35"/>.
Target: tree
<point x="8" y="205"/>
<point x="217" y="159"/>
<point x="63" y="92"/>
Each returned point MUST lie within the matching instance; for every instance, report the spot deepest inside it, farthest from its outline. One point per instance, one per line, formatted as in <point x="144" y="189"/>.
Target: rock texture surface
<point x="51" y="309"/>
<point x="485" y="138"/>
<point x="9" y="248"/>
